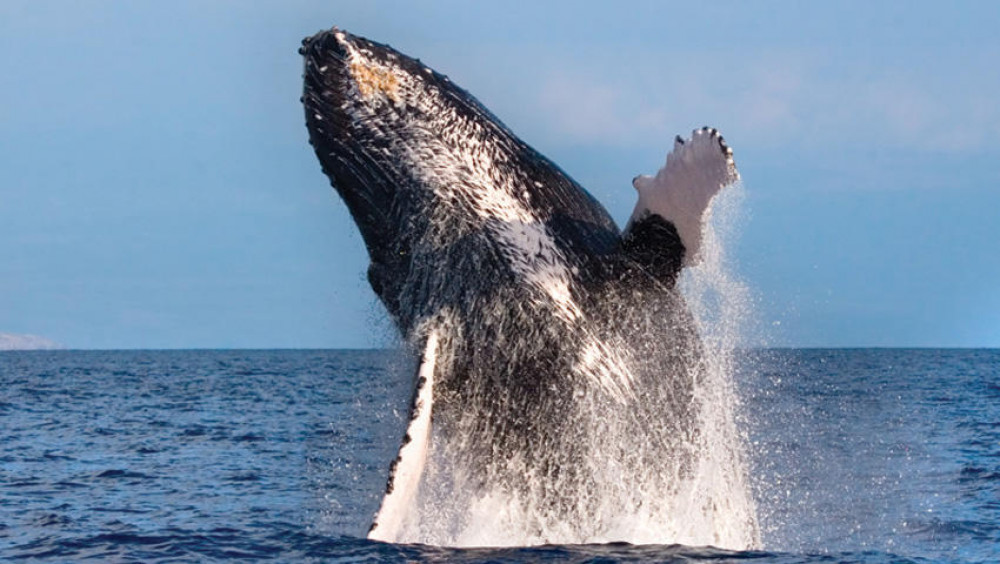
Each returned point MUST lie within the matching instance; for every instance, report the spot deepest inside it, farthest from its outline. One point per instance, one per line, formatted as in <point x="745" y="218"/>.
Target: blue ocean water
<point x="162" y="456"/>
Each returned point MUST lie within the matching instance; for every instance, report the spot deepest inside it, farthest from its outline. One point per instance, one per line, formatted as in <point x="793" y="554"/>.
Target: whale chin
<point x="553" y="347"/>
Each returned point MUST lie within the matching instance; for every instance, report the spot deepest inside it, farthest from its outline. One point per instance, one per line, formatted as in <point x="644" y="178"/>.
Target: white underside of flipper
<point x="695" y="171"/>
<point x="404" y="479"/>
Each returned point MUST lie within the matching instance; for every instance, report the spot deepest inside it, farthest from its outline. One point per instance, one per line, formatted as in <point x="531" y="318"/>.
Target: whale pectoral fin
<point x="407" y="469"/>
<point x="665" y="230"/>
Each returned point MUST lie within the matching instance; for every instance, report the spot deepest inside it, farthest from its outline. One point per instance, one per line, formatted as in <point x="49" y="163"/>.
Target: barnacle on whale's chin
<point x="372" y="80"/>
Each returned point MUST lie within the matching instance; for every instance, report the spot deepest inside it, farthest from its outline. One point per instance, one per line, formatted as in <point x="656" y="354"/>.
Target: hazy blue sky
<point x="157" y="189"/>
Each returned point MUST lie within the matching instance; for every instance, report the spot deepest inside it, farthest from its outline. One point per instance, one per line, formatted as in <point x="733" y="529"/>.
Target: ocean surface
<point x="882" y="455"/>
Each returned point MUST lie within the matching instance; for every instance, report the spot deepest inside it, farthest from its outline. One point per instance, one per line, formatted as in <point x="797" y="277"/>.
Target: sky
<point x="157" y="189"/>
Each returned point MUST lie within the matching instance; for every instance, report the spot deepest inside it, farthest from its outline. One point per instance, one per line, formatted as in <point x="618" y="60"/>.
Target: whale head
<point x="360" y="100"/>
<point x="426" y="170"/>
<point x="381" y="124"/>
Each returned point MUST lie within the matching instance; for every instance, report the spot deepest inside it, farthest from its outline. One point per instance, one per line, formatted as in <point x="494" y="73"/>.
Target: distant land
<point x="12" y="342"/>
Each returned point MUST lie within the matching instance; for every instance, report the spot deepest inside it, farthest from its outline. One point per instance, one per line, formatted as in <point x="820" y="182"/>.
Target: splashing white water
<point x="657" y="469"/>
<point x="721" y="305"/>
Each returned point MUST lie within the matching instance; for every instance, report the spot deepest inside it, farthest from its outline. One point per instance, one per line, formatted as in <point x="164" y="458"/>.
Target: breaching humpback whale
<point x="557" y="361"/>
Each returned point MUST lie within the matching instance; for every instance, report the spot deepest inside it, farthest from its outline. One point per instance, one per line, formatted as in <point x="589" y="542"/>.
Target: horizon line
<point x="402" y="348"/>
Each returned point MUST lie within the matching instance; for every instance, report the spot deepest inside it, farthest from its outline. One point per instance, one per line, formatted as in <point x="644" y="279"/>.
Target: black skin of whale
<point x="508" y="388"/>
<point x="381" y="199"/>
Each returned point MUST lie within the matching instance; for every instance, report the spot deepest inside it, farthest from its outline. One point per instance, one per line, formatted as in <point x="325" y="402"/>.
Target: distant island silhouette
<point x="14" y="342"/>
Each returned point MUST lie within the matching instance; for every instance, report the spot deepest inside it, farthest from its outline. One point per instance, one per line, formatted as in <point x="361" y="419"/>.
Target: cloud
<point x="13" y="342"/>
<point x="582" y="108"/>
<point x="651" y="100"/>
<point x="771" y="100"/>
